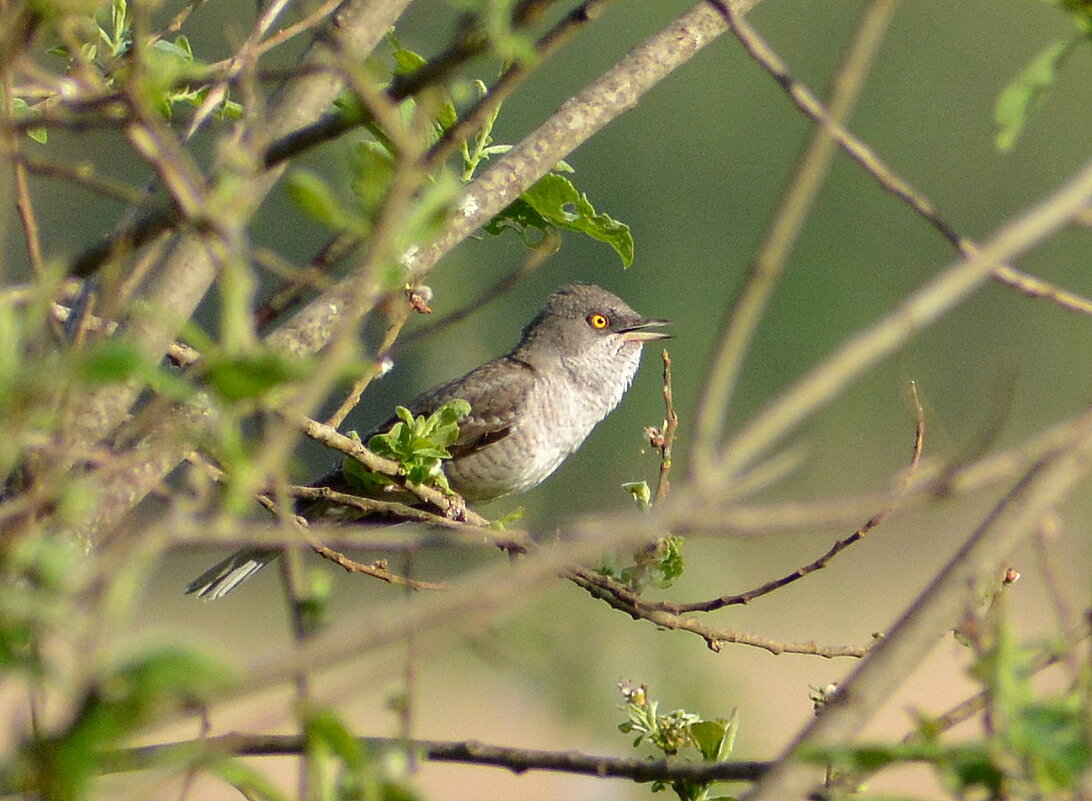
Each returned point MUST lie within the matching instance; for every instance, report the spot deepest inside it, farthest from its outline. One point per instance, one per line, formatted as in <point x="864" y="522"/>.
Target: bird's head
<point x="590" y="332"/>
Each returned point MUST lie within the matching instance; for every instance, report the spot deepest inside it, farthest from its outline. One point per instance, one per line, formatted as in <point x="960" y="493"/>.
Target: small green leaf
<point x="179" y="49"/>
<point x="110" y="362"/>
<point x="373" y="169"/>
<point x="313" y="196"/>
<point x="230" y="111"/>
<point x="640" y="492"/>
<point x="1019" y="100"/>
<point x="708" y="736"/>
<point x="1051" y="736"/>
<point x="324" y="729"/>
<point x="251" y="375"/>
<point x="22" y="111"/>
<point x="504" y="521"/>
<point x="250" y="782"/>
<point x="405" y="60"/>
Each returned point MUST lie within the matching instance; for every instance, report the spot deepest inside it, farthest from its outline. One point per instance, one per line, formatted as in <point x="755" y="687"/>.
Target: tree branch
<point x="467" y="752"/>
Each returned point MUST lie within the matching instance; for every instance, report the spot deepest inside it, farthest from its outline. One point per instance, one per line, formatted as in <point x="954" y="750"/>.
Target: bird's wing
<point x="495" y="392"/>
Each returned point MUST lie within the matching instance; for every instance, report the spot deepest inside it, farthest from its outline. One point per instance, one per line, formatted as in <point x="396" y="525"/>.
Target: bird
<point x="529" y="409"/>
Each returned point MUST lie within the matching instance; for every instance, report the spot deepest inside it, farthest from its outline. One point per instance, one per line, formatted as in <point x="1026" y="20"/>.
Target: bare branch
<point x="467" y="752"/>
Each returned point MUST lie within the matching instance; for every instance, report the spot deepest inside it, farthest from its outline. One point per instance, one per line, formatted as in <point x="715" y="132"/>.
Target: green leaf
<point x="504" y="521"/>
<point x="554" y="202"/>
<point x="363" y="480"/>
<point x="179" y="49"/>
<point x="640" y="492"/>
<point x="250" y="782"/>
<point x="110" y="362"/>
<point x="252" y="375"/>
<point x="709" y="737"/>
<point x="405" y="60"/>
<point x="518" y="216"/>
<point x="324" y="729"/>
<point x="314" y="197"/>
<point x="151" y="686"/>
<point x="1019" y="100"/>
<point x="419" y="445"/>
<point x="373" y="169"/>
<point x="22" y="111"/>
<point x="1051" y="736"/>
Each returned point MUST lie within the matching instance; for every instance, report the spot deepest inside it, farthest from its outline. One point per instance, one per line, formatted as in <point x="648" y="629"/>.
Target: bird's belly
<point x="556" y="424"/>
<point x="512" y="465"/>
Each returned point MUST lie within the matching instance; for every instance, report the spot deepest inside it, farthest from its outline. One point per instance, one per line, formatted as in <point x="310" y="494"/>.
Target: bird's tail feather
<point x="223" y="577"/>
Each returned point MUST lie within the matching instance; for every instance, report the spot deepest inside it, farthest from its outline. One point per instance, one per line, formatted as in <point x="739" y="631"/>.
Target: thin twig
<point x="377" y="569"/>
<point x="617" y="596"/>
<point x="820" y="563"/>
<point x="84" y="175"/>
<point x="664" y="439"/>
<point x="966" y="709"/>
<point x="27" y="217"/>
<point x="293" y="290"/>
<point x="886" y="177"/>
<point x="472" y="120"/>
<point x="932" y="614"/>
<point x="398" y="313"/>
<point x="535" y="259"/>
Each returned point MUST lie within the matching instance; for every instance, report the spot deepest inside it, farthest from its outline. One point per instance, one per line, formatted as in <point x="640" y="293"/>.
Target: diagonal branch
<point x="933" y="613"/>
<point x="889" y="180"/>
<point x="921" y="309"/>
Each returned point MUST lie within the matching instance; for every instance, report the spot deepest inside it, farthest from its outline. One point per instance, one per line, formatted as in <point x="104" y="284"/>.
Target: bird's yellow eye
<point x="598" y="321"/>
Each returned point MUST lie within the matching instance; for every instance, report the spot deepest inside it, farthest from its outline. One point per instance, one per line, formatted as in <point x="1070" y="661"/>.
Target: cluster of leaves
<point x="1035" y="745"/>
<point x="167" y="69"/>
<point x="657" y="564"/>
<point x="418" y="444"/>
<point x="118" y="703"/>
<point x="1031" y="86"/>
<point x="677" y="731"/>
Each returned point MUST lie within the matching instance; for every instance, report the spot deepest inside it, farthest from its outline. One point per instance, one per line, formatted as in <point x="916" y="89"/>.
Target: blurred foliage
<point x="1037" y="744"/>
<point x="1019" y="100"/>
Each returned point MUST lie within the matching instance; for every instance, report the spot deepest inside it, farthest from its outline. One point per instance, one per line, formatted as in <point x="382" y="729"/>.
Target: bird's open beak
<point x="641" y="333"/>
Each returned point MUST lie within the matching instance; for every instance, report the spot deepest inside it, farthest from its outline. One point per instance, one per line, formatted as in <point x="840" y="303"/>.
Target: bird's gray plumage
<point x="530" y="408"/>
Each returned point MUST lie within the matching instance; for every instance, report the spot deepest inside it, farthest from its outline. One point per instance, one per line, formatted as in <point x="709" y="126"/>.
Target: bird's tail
<point x="223" y="577"/>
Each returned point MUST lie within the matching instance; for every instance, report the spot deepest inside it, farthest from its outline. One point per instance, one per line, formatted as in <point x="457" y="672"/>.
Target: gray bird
<point x="530" y="408"/>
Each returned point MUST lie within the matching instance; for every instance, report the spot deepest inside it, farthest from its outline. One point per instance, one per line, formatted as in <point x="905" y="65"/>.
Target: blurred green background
<point x="696" y="170"/>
